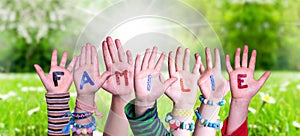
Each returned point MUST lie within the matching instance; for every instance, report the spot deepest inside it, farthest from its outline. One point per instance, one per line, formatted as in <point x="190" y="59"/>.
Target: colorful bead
<point x="74" y="129"/>
<point x="84" y="131"/>
<point x="90" y="130"/>
<point x="78" y="131"/>
<point x="206" y="123"/>
<point x="209" y="102"/>
<point x="175" y="124"/>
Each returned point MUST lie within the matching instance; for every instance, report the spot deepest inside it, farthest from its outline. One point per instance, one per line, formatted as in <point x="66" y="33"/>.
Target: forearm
<point x="117" y="117"/>
<point x="237" y="115"/>
<point x="57" y="105"/>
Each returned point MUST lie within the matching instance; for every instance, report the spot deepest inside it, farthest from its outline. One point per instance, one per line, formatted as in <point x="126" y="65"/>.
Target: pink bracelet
<point x="93" y="109"/>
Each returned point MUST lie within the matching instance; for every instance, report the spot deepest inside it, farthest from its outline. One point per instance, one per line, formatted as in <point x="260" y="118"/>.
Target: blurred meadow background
<point x="31" y="29"/>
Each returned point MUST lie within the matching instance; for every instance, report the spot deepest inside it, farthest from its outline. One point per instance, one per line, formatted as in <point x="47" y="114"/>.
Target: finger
<point x="228" y="65"/>
<point x="217" y="58"/>
<point x="245" y="57"/>
<point x="171" y="65"/>
<point x="169" y="82"/>
<point x="129" y="57"/>
<point x="208" y="58"/>
<point x="146" y="59"/>
<point x="72" y="63"/>
<point x="40" y="72"/>
<point x="112" y="49"/>
<point x="82" y="56"/>
<point x="160" y="62"/>
<point x="252" y="60"/>
<point x="77" y="62"/>
<point x="197" y="63"/>
<point x="178" y="59"/>
<point x="237" y="58"/>
<point x="202" y="69"/>
<point x="54" y="58"/>
<point x="120" y="49"/>
<point x="137" y="64"/>
<point x="152" y="57"/>
<point x="104" y="76"/>
<point x="106" y="55"/>
<point x="89" y="53"/>
<point x="186" y="62"/>
<point x="94" y="55"/>
<point x="263" y="78"/>
<point x="63" y="59"/>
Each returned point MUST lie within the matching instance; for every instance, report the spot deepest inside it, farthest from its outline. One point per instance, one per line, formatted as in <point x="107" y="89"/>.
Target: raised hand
<point x="184" y="91"/>
<point x="212" y="83"/>
<point x="87" y="78"/>
<point x="59" y="79"/>
<point x="148" y="81"/>
<point x="120" y="66"/>
<point x="242" y="82"/>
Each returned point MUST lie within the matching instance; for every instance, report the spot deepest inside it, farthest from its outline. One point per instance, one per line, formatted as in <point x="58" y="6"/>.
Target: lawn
<point x="23" y="106"/>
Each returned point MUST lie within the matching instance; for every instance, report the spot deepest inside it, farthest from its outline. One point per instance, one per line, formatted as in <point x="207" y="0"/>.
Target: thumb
<point x="105" y="76"/>
<point x="263" y="78"/>
<point x="169" y="82"/>
<point x="39" y="71"/>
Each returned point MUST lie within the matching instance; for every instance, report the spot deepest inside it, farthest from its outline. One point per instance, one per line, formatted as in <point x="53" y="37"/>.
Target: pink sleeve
<point x="241" y="131"/>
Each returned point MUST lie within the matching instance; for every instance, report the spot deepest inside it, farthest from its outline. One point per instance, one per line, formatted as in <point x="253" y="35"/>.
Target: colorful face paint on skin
<point x="85" y="79"/>
<point x="182" y="86"/>
<point x="212" y="80"/>
<point x="149" y="82"/>
<point x="56" y="76"/>
<point x="118" y="75"/>
<point x="240" y="81"/>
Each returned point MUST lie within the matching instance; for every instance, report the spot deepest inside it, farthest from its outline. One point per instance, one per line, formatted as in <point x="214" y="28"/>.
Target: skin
<point x="180" y="69"/>
<point x="65" y="81"/>
<point x="221" y="88"/>
<point x="116" y="61"/>
<point x="88" y="61"/>
<point x="146" y="99"/>
<point x="241" y="97"/>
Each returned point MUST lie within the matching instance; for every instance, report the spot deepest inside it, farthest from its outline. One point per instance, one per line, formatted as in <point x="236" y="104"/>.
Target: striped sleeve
<point x="57" y="105"/>
<point x="147" y="124"/>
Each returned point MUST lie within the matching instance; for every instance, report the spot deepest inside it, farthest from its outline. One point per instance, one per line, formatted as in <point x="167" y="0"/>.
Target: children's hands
<point x="184" y="91"/>
<point x="212" y="83"/>
<point x="87" y="78"/>
<point x="59" y="78"/>
<point x="242" y="83"/>
<point x="148" y="81"/>
<point x="121" y="68"/>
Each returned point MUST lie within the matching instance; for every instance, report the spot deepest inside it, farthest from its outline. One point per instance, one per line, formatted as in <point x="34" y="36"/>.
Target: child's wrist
<point x="89" y="99"/>
<point x="141" y="107"/>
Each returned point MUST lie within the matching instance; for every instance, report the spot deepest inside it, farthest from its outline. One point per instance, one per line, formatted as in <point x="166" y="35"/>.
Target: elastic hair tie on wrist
<point x="88" y="108"/>
<point x="206" y="123"/>
<point x="210" y="102"/>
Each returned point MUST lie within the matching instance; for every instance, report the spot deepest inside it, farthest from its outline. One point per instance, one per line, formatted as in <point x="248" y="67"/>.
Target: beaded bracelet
<point x="176" y="124"/>
<point x="89" y="128"/>
<point x="78" y="115"/>
<point x="206" y="123"/>
<point x="86" y="129"/>
<point x="210" y="102"/>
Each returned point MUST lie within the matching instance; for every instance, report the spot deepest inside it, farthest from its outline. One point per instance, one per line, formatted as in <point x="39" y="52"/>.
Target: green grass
<point x="275" y="119"/>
